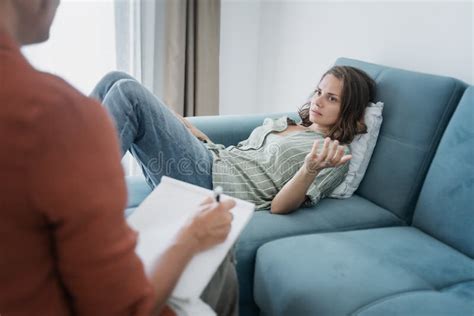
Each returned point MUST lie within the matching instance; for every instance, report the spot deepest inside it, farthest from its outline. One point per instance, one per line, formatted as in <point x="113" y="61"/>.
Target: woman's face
<point x="326" y="103"/>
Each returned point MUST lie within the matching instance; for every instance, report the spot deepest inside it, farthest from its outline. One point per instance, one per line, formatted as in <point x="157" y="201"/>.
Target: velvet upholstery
<point x="456" y="299"/>
<point x="426" y="269"/>
<point x="445" y="208"/>
<point x="417" y="109"/>
<point x="362" y="272"/>
<point x="327" y="216"/>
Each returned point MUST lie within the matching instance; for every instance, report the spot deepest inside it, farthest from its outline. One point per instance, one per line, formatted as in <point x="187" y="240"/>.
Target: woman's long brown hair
<point x="357" y="91"/>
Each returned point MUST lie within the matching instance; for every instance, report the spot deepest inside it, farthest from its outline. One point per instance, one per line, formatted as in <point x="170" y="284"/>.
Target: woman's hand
<point x="199" y="134"/>
<point x="331" y="156"/>
<point x="193" y="129"/>
<point x="210" y="226"/>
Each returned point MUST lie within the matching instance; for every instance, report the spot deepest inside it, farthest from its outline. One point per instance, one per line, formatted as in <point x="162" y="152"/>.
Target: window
<point x="81" y="48"/>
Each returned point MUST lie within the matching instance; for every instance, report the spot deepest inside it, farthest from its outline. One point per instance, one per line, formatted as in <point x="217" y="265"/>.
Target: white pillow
<point x="362" y="148"/>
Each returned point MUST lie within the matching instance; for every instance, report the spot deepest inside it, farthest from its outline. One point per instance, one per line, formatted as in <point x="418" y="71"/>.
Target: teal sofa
<point x="402" y="245"/>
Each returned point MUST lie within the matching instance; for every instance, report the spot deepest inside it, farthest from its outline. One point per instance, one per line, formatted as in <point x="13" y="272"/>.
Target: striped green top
<point x="258" y="167"/>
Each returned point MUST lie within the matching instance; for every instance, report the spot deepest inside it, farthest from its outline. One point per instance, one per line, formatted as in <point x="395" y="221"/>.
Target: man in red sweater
<point x="65" y="248"/>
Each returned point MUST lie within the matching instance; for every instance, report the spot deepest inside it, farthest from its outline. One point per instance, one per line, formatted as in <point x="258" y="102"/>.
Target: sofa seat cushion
<point x="457" y="299"/>
<point x="350" y="272"/>
<point x="138" y="189"/>
<point x="328" y="215"/>
<point x="129" y="211"/>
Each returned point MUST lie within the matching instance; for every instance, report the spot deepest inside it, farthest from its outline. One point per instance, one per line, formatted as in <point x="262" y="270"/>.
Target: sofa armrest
<point x="231" y="129"/>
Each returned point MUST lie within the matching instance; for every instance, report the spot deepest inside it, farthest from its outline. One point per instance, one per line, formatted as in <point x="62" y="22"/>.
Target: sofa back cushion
<point x="417" y="109"/>
<point x="231" y="129"/>
<point x="445" y="208"/>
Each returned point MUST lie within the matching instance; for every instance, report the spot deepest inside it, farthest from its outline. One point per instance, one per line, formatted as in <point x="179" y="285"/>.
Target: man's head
<point x="28" y="21"/>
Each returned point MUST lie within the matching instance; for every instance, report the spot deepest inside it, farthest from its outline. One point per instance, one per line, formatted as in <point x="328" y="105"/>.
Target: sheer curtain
<point x="139" y="40"/>
<point x="139" y="50"/>
<point x="172" y="47"/>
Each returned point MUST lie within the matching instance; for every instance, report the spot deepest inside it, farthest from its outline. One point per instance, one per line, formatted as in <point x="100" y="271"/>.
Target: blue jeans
<point x="157" y="139"/>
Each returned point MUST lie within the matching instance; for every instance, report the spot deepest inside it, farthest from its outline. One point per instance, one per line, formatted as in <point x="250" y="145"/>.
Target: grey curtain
<point x="172" y="47"/>
<point x="191" y="67"/>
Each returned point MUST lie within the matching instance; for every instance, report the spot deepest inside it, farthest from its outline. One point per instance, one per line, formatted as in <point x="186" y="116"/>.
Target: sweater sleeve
<point x="326" y="181"/>
<point x="77" y="184"/>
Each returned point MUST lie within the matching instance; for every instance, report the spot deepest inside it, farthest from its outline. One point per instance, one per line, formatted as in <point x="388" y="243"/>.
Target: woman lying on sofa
<point x="282" y="165"/>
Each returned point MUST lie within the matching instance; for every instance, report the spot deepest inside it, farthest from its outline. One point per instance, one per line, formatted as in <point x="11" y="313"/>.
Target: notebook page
<point x="159" y="218"/>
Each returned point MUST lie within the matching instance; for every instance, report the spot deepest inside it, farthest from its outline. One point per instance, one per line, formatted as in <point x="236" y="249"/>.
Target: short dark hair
<point x="357" y="91"/>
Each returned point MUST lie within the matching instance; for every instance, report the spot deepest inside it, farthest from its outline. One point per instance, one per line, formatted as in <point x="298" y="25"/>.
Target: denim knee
<point x="115" y="76"/>
<point x="138" y="95"/>
<point x="106" y="83"/>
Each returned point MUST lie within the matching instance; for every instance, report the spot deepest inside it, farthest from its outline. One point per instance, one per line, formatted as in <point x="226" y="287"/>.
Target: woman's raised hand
<point x="331" y="155"/>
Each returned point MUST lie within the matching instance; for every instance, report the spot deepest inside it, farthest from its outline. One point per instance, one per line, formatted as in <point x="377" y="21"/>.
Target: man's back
<point x="65" y="246"/>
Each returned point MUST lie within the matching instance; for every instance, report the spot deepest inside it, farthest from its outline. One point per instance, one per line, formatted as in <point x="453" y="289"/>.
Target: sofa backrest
<point x="231" y="129"/>
<point x="445" y="208"/>
<point x="417" y="109"/>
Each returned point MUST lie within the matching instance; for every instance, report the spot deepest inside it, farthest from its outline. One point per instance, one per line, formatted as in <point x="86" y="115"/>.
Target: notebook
<point x="159" y="218"/>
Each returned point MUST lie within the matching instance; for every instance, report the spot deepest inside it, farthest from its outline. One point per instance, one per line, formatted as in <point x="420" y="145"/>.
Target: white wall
<point x="240" y="24"/>
<point x="298" y="40"/>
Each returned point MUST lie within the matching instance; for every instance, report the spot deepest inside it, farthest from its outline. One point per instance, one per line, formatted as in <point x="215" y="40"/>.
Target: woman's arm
<point x="293" y="193"/>
<point x="210" y="227"/>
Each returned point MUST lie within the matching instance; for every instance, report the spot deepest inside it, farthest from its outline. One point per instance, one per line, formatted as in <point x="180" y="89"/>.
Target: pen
<point x="217" y="193"/>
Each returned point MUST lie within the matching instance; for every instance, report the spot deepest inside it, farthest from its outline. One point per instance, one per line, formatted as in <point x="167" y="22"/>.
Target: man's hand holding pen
<point x="210" y="226"/>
